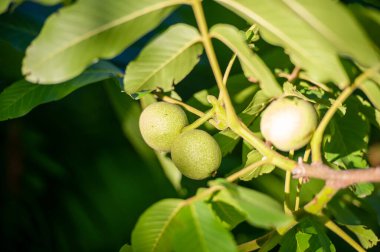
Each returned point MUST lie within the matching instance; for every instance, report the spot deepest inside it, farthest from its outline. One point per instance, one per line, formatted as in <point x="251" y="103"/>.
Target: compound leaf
<point x="78" y="35"/>
<point x="165" y="61"/>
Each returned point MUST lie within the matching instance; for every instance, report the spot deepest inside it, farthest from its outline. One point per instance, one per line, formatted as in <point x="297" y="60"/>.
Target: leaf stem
<point x="340" y="232"/>
<point x="201" y="120"/>
<point x="300" y="181"/>
<point x="256" y="243"/>
<point x="246" y="170"/>
<point x="288" y="178"/>
<point x="202" y="25"/>
<point x="184" y="105"/>
<point x="227" y="72"/>
<point x="316" y="141"/>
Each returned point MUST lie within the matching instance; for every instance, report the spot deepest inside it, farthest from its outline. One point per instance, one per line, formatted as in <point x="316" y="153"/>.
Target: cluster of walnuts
<point x="288" y="123"/>
<point x="195" y="152"/>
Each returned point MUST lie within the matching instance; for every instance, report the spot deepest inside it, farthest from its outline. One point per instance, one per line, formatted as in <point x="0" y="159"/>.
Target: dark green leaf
<point x="252" y="65"/>
<point x="347" y="133"/>
<point x="165" y="61"/>
<point x="198" y="229"/>
<point x="90" y="34"/>
<point x="22" y="96"/>
<point x="155" y="228"/>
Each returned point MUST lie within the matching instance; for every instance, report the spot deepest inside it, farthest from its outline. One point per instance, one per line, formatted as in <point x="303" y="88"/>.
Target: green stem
<point x="316" y="205"/>
<point x="246" y="170"/>
<point x="182" y="104"/>
<point x="272" y="156"/>
<point x="227" y="72"/>
<point x="288" y="179"/>
<point x="202" y="25"/>
<point x="200" y="120"/>
<point x="316" y="141"/>
<point x="340" y="232"/>
<point x="256" y="243"/>
<point x="300" y="181"/>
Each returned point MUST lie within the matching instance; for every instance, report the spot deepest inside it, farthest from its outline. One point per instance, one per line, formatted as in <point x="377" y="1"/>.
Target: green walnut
<point x="196" y="154"/>
<point x="289" y="123"/>
<point x="160" y="123"/>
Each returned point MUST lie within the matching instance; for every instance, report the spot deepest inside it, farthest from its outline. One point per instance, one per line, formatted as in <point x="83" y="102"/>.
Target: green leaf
<point x="89" y="34"/>
<point x="351" y="42"/>
<point x="262" y="211"/>
<point x="4" y="4"/>
<point x="372" y="91"/>
<point x="252" y="65"/>
<point x="198" y="229"/>
<point x="347" y="133"/>
<point x="228" y="209"/>
<point x="47" y="2"/>
<point x="306" y="47"/>
<point x="366" y="236"/>
<point x="362" y="190"/>
<point x="227" y="139"/>
<point x="253" y="157"/>
<point x="155" y="228"/>
<point x="312" y="237"/>
<point x="288" y="243"/>
<point x="21" y="97"/>
<point x="165" y="61"/>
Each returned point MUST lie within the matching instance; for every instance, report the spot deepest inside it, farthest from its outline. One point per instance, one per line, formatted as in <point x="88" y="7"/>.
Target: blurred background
<point x="75" y="175"/>
<point x="71" y="180"/>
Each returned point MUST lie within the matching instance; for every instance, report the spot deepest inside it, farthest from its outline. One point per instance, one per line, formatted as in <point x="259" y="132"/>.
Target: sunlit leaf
<point x="262" y="211"/>
<point x="165" y="61"/>
<point x="78" y="35"/>
<point x="280" y="26"/>
<point x="351" y="42"/>
<point x="312" y="237"/>
<point x="200" y="230"/>
<point x="155" y="230"/>
<point x="4" y="5"/>
<point x="372" y="91"/>
<point x="126" y="248"/>
<point x="253" y="157"/>
<point x="252" y="65"/>
<point x="365" y="235"/>
<point x="21" y="97"/>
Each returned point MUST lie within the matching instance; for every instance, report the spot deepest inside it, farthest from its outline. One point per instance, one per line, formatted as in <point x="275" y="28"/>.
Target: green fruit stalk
<point x="196" y="154"/>
<point x="160" y="123"/>
<point x="289" y="123"/>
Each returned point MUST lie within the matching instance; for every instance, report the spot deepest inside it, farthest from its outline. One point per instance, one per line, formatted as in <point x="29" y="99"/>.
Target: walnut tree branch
<point x="336" y="178"/>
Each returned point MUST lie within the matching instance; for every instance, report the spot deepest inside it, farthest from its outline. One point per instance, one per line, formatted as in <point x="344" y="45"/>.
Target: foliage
<point x="319" y="51"/>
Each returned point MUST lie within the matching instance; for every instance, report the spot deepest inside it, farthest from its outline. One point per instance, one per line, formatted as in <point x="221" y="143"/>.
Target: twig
<point x="336" y="178"/>
<point x="184" y="105"/>
<point x="292" y="76"/>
